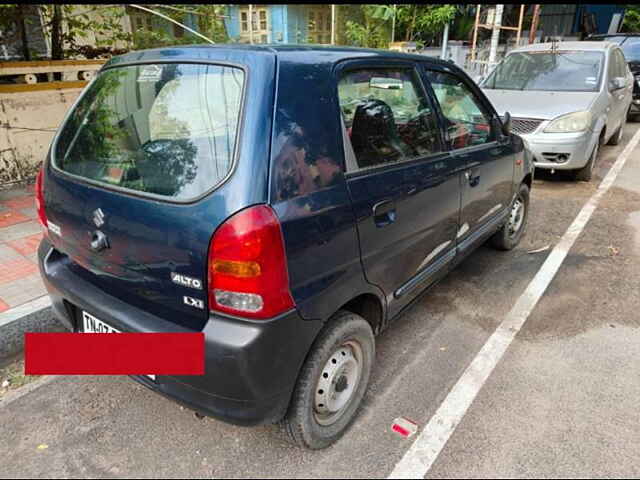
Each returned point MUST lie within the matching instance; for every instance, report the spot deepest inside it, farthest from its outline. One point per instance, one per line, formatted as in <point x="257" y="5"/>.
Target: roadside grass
<point x="12" y="377"/>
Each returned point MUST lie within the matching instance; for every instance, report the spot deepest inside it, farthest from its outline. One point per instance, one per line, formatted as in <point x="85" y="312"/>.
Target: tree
<point x="631" y="19"/>
<point x="210" y="19"/>
<point x="68" y="24"/>
<point x="370" y="25"/>
<point x="14" y="15"/>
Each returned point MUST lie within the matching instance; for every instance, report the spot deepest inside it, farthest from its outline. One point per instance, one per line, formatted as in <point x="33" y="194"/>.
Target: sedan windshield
<point x="561" y="71"/>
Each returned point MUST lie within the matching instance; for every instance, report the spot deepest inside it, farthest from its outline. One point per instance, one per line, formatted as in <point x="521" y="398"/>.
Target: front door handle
<point x="472" y="178"/>
<point x="384" y="213"/>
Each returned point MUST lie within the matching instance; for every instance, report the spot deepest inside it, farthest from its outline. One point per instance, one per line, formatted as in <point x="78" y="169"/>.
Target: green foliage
<point x="631" y="22"/>
<point x="423" y="22"/>
<point x="210" y="24"/>
<point x="369" y="26"/>
<point x="80" y="21"/>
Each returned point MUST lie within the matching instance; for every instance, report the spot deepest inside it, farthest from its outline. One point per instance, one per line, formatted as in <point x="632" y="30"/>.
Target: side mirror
<point x="506" y="124"/>
<point x="618" y="82"/>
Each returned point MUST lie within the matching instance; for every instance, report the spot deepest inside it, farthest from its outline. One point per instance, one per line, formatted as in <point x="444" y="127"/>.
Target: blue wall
<point x="233" y="23"/>
<point x="287" y="23"/>
<point x="603" y="13"/>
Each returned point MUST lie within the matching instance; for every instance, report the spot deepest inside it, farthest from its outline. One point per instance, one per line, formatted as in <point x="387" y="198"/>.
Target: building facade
<point x="279" y="23"/>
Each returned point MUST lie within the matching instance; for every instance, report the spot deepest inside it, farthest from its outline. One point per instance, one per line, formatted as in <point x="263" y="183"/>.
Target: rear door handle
<point x="384" y="213"/>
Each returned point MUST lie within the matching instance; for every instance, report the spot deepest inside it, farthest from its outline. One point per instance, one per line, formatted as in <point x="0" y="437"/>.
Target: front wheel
<point x="616" y="138"/>
<point x="332" y="382"/>
<point x="585" y="173"/>
<point x="511" y="232"/>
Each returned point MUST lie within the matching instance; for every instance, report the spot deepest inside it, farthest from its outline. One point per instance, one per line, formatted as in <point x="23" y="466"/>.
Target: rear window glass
<point x="163" y="129"/>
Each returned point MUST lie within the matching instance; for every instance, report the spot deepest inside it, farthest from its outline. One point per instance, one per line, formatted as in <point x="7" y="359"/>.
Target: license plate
<point x="91" y="324"/>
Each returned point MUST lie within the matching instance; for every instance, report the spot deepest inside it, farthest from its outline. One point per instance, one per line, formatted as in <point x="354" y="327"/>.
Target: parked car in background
<point x="566" y="100"/>
<point x="630" y="44"/>
<point x="288" y="202"/>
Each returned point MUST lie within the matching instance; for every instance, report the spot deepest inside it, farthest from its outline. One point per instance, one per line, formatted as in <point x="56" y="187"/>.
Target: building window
<point x="259" y="24"/>
<point x="263" y="19"/>
<point x="244" y="24"/>
<point x="319" y="25"/>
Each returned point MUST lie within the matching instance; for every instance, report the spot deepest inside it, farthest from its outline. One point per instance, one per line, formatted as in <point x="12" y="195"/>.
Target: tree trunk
<point x="56" y="33"/>
<point x="23" y="32"/>
<point x="413" y="22"/>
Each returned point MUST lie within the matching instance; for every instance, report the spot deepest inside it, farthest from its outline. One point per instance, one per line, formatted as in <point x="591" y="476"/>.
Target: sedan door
<point x="474" y="140"/>
<point x="404" y="186"/>
<point x="619" y="95"/>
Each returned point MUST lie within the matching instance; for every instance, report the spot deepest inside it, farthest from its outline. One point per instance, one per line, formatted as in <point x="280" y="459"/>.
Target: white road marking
<point x="427" y="446"/>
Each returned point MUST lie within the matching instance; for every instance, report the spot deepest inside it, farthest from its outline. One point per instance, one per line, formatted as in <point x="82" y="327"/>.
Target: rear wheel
<point x="511" y="232"/>
<point x="332" y="382"/>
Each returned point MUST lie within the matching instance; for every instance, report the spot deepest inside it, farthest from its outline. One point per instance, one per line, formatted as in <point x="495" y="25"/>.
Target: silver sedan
<point x="565" y="99"/>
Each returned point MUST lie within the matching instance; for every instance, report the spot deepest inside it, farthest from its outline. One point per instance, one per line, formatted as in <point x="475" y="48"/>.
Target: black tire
<point x="303" y="422"/>
<point x="616" y="138"/>
<point x="585" y="173"/>
<point x="507" y="238"/>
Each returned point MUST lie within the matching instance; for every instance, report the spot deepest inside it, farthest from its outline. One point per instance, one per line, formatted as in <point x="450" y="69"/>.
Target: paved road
<point x="562" y="402"/>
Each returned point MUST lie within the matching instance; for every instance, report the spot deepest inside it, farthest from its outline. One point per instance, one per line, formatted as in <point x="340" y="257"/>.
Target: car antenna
<point x="172" y="21"/>
<point x="554" y="40"/>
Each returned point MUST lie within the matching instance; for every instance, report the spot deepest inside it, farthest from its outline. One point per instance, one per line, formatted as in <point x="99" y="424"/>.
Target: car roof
<point x="310" y="53"/>
<point x="584" y="45"/>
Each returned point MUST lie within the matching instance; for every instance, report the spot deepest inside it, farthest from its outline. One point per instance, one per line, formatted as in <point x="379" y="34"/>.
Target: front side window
<point x="561" y="71"/>
<point x="163" y="129"/>
<point x="387" y="117"/>
<point x="467" y="121"/>
<point x="631" y="49"/>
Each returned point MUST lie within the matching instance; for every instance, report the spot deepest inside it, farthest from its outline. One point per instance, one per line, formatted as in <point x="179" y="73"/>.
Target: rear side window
<point x="387" y="117"/>
<point x="162" y="129"/>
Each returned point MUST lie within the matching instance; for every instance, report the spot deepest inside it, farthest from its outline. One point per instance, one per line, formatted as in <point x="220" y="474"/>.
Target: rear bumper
<point x="250" y="367"/>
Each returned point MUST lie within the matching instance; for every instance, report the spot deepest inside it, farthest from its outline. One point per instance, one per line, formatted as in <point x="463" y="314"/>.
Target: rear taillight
<point x="42" y="216"/>
<point x="248" y="267"/>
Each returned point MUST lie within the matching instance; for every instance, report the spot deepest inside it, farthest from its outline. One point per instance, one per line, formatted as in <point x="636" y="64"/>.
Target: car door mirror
<point x="617" y="83"/>
<point x="506" y="124"/>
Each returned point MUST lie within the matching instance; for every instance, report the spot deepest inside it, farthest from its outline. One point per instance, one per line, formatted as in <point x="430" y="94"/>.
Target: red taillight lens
<point x="42" y="216"/>
<point x="247" y="266"/>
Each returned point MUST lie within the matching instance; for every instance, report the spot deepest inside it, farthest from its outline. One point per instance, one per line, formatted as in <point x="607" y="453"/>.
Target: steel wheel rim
<point x="338" y="382"/>
<point x="516" y="217"/>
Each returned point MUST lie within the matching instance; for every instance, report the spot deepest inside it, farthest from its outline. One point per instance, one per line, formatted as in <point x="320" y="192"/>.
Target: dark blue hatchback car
<point x="288" y="202"/>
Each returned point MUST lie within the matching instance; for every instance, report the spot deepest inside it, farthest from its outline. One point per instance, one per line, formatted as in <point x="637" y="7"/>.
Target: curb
<point x="33" y="316"/>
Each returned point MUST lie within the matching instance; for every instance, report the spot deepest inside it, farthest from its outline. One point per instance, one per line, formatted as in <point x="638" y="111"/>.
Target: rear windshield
<point x="562" y="71"/>
<point x="162" y="129"/>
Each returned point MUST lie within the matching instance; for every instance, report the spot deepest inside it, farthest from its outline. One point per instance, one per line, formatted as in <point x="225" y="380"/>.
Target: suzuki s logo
<point x="98" y="217"/>
<point x="186" y="281"/>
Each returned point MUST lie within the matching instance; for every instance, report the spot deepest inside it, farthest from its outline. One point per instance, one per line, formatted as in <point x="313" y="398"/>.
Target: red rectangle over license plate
<point x="121" y="354"/>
